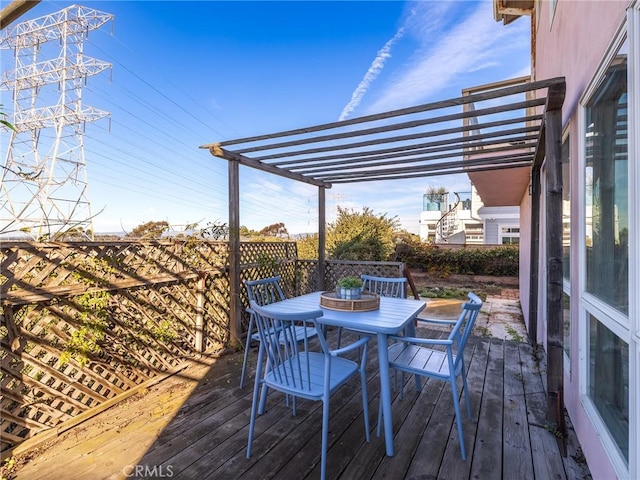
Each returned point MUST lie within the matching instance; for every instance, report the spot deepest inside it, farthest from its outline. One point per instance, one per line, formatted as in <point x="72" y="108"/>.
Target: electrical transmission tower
<point x="44" y="189"/>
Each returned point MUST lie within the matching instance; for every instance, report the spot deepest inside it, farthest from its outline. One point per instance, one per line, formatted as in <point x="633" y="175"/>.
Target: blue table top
<point x="392" y="317"/>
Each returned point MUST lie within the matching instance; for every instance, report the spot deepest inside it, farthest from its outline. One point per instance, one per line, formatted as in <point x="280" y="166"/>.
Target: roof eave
<point x="507" y="11"/>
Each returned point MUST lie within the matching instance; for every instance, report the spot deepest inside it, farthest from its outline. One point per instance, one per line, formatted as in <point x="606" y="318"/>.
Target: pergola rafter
<point x="416" y="138"/>
<point x="486" y="130"/>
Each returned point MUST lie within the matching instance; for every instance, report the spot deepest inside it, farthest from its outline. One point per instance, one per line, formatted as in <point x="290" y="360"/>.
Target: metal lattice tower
<point x="44" y="189"/>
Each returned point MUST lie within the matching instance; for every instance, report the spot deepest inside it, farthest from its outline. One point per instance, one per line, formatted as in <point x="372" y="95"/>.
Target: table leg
<point x="385" y="392"/>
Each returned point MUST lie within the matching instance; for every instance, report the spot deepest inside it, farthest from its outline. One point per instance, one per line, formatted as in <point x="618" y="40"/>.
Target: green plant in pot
<point x="349" y="288"/>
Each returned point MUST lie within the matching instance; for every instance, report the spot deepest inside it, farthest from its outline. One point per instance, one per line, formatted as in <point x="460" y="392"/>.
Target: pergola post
<point x="234" y="251"/>
<point x="555" y="336"/>
<point x="322" y="235"/>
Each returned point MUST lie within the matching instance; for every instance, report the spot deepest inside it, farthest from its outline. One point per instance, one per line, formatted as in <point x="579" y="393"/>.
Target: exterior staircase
<point x="449" y="228"/>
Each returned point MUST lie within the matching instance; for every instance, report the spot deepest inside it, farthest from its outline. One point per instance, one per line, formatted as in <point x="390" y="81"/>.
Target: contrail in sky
<point x="373" y="72"/>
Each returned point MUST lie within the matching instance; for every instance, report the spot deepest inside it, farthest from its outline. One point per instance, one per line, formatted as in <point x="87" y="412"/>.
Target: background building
<point x="458" y="218"/>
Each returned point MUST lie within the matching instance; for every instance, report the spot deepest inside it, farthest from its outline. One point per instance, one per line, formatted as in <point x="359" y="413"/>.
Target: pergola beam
<point x="217" y="151"/>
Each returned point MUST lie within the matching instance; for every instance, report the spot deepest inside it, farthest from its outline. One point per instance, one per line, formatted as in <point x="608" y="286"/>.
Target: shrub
<point x="432" y="259"/>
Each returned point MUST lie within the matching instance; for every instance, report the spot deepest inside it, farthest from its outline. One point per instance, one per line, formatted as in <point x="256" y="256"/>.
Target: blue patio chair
<point x="293" y="369"/>
<point x="264" y="292"/>
<point x="414" y="356"/>
<point x="383" y="286"/>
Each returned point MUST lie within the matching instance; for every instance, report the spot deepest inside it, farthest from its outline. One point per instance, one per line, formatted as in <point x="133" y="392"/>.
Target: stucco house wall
<point x="525" y="256"/>
<point x="571" y="42"/>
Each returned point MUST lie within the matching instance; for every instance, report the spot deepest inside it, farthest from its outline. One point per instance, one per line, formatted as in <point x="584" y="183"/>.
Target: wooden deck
<point x="194" y="426"/>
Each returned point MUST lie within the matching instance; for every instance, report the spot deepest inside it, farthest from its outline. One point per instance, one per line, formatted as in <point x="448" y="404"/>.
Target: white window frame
<point x="611" y="318"/>
<point x="509" y="235"/>
<point x="633" y="32"/>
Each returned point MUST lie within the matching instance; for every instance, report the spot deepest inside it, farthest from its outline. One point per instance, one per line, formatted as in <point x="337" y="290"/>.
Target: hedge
<point x="432" y="259"/>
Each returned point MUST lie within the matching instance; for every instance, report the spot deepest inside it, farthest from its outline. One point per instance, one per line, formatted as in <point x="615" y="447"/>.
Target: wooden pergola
<point x="512" y="127"/>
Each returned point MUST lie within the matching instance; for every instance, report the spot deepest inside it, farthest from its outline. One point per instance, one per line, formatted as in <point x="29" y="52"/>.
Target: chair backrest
<point x="286" y="357"/>
<point x="384" y="286"/>
<point x="265" y="290"/>
<point x="464" y="326"/>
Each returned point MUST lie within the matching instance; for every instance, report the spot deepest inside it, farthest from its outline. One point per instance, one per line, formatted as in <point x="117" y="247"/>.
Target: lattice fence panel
<point x="85" y="322"/>
<point x="261" y="260"/>
<point x="307" y="276"/>
<point x="335" y="270"/>
<point x="63" y="267"/>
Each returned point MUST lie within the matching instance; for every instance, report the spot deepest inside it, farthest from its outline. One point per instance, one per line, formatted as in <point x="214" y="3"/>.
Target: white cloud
<point x="474" y="43"/>
<point x="372" y="73"/>
<point x="423" y="19"/>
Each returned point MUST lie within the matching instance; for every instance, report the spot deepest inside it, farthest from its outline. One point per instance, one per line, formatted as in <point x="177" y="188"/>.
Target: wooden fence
<point x="87" y="324"/>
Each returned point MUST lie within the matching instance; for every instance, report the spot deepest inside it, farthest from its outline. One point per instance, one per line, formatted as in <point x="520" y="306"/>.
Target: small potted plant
<point x="349" y="288"/>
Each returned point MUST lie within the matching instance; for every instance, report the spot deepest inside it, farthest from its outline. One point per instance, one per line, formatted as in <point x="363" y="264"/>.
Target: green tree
<point x="245" y="232"/>
<point x="308" y="247"/>
<point x="362" y="235"/>
<point x="275" y="230"/>
<point x="71" y="234"/>
<point x="215" y="230"/>
<point x="149" y="230"/>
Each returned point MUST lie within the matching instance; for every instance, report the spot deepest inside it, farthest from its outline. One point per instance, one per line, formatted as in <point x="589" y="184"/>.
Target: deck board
<point x="486" y="464"/>
<point x="516" y="459"/>
<point x="196" y="426"/>
<point x="452" y="466"/>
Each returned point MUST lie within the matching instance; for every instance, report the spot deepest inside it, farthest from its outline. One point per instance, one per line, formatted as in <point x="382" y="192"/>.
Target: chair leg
<point x="325" y="438"/>
<point x="252" y="422"/>
<point x="254" y="403"/>
<point x="456" y="406"/>
<point x="466" y="392"/>
<point x="246" y="351"/>
<point x="265" y="388"/>
<point x="365" y="403"/>
<point x="379" y="428"/>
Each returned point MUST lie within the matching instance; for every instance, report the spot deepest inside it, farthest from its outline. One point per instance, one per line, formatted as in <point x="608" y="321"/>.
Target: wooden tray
<point x="367" y="302"/>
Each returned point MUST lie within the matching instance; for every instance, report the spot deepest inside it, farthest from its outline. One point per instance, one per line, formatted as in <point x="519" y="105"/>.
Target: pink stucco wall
<point x="573" y="46"/>
<point x="525" y="255"/>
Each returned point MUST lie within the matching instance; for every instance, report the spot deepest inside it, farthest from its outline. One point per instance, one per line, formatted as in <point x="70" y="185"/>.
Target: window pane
<point x="510" y="240"/>
<point x="509" y="235"/>
<point x="607" y="209"/>
<point x="609" y="381"/>
<point x="566" y="210"/>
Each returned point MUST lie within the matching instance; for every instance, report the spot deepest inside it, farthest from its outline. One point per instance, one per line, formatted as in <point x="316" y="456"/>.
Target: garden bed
<point x="456" y="286"/>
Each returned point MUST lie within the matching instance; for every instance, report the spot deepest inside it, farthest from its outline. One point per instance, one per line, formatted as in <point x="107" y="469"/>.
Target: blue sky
<point x="186" y="74"/>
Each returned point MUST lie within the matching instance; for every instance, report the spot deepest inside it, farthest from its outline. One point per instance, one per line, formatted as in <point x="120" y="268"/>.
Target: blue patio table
<point x="393" y="316"/>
